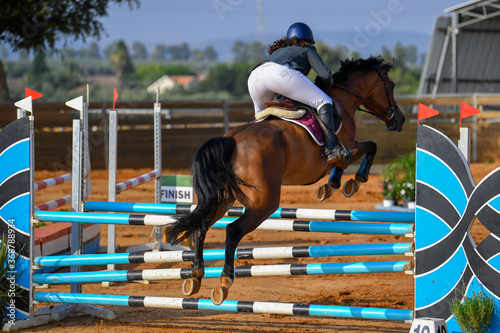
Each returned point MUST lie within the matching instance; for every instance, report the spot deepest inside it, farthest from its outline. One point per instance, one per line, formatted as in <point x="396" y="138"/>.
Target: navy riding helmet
<point x="301" y="31"/>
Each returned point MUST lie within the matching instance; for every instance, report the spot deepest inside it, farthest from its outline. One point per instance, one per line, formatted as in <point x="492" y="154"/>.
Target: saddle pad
<point x="278" y="112"/>
<point x="307" y="121"/>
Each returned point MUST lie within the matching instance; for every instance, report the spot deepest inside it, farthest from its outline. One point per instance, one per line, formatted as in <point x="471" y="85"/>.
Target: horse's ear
<point x="390" y="64"/>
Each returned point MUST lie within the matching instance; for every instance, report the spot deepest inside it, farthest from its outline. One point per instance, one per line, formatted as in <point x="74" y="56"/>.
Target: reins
<point x="389" y="112"/>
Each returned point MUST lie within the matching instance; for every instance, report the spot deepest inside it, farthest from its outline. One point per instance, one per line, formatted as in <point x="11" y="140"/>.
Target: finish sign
<point x="177" y="189"/>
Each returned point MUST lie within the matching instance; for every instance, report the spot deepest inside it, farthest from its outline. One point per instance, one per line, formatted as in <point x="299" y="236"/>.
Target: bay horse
<point x="251" y="162"/>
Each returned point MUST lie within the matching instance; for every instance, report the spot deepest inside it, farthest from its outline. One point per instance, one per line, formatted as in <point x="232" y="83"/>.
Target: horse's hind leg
<point x="192" y="285"/>
<point x="235" y="231"/>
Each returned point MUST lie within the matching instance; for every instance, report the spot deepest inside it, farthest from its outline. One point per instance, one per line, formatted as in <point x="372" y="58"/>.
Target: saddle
<point x="285" y="103"/>
<point x="300" y="114"/>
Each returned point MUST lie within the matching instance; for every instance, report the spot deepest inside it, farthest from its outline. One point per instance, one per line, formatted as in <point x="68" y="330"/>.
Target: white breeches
<point x="271" y="78"/>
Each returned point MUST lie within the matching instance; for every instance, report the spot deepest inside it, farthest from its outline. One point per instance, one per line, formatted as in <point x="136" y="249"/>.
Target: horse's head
<point x="383" y="104"/>
<point x="369" y="82"/>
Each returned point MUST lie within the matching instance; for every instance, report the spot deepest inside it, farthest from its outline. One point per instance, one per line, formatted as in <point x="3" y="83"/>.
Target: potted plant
<point x="399" y="180"/>
<point x="389" y="192"/>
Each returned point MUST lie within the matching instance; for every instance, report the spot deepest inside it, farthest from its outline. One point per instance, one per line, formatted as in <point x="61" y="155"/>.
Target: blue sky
<point x="359" y="24"/>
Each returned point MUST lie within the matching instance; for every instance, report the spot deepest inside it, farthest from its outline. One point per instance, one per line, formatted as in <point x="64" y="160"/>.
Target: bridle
<point x="387" y="112"/>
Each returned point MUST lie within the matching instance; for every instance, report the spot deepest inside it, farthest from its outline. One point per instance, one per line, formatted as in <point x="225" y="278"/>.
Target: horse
<point x="251" y="162"/>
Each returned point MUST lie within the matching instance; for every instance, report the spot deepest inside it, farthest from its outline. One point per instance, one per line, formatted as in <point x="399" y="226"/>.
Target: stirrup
<point x="339" y="152"/>
<point x="333" y="156"/>
<point x="346" y="153"/>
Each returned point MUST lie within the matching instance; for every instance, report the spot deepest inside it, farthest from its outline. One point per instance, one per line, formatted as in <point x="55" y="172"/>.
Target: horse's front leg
<point x="368" y="149"/>
<point x="325" y="191"/>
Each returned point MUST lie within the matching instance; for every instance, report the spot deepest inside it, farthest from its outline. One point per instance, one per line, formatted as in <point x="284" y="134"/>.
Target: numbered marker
<point x="429" y="325"/>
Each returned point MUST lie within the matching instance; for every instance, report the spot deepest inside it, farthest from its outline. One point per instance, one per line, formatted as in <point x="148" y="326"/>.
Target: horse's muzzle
<point x="396" y="123"/>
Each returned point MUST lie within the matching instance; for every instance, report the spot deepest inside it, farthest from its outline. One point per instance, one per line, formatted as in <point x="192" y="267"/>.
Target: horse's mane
<point x="354" y="65"/>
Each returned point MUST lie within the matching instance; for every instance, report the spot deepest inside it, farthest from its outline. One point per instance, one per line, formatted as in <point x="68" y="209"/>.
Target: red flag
<point x="115" y="97"/>
<point x="34" y="94"/>
<point x="467" y="111"/>
<point x="425" y="112"/>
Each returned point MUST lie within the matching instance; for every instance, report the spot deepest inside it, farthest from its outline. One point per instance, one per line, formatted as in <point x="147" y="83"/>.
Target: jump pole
<point x="288" y="213"/>
<point x="281" y="225"/>
<point x="218" y="254"/>
<point x="215" y="272"/>
<point x="229" y="306"/>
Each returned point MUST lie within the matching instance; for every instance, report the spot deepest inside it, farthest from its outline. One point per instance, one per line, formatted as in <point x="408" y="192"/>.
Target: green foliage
<point x="58" y="80"/>
<point x="229" y="78"/>
<point x="54" y="84"/>
<point x="121" y="62"/>
<point x="150" y="72"/>
<point x="406" y="71"/>
<point x="399" y="178"/>
<point x="35" y="24"/>
<point x="208" y="54"/>
<point x="7" y="264"/>
<point x="473" y="315"/>
<point x="388" y="188"/>
<point x="139" y="51"/>
<point x="248" y="52"/>
<point x="333" y="55"/>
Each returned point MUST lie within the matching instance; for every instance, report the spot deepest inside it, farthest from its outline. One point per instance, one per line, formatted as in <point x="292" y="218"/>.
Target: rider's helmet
<point x="301" y="31"/>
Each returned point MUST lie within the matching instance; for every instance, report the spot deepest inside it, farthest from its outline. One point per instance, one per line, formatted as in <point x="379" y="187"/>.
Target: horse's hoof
<point x="191" y="286"/>
<point x="325" y="191"/>
<point x="350" y="187"/>
<point x="219" y="295"/>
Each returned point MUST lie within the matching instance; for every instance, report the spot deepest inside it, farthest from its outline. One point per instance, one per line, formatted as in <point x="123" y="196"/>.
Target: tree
<point x="159" y="53"/>
<point x="4" y="53"/>
<point x="229" y="78"/>
<point x="210" y="54"/>
<point x="248" y="52"/>
<point x="109" y="49"/>
<point x="120" y="60"/>
<point x="93" y="52"/>
<point x="23" y="54"/>
<point x="39" y="72"/>
<point x="39" y="24"/>
<point x="207" y="54"/>
<point x="179" y="52"/>
<point x="68" y="53"/>
<point x="139" y="51"/>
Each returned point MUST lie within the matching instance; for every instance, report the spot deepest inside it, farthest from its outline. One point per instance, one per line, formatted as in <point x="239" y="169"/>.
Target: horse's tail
<point x="213" y="180"/>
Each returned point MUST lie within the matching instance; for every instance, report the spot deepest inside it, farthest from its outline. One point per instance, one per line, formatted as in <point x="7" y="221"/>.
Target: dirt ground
<point x="372" y="290"/>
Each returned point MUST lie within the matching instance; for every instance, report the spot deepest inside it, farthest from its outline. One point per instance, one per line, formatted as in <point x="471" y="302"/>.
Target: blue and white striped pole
<point x="228" y="306"/>
<point x="215" y="272"/>
<point x="284" y="225"/>
<point x="287" y="213"/>
<point x="218" y="254"/>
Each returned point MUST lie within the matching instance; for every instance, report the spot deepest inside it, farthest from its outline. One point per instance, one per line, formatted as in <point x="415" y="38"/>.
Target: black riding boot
<point x="334" y="150"/>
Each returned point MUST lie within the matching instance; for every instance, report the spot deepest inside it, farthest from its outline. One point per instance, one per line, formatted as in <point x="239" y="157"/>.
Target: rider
<point x="285" y="72"/>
